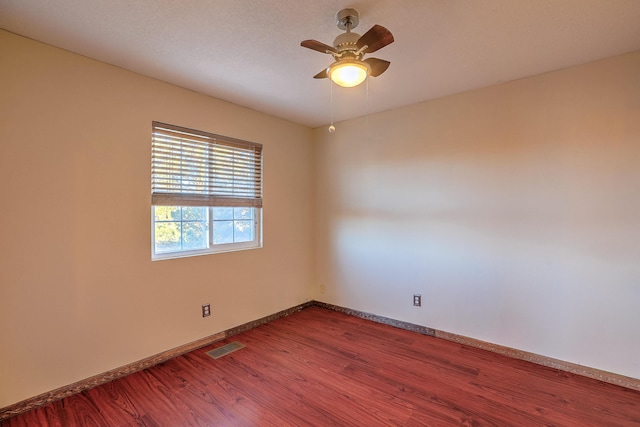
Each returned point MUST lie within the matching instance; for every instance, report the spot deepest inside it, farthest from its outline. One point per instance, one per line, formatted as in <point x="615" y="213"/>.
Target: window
<point x="206" y="192"/>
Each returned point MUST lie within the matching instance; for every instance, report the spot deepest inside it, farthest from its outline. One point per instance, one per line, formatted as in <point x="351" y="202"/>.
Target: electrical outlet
<point x="323" y="289"/>
<point x="417" y="300"/>
<point x="206" y="310"/>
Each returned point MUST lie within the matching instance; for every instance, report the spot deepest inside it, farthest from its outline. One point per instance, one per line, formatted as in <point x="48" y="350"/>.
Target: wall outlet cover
<point x="417" y="300"/>
<point x="206" y="310"/>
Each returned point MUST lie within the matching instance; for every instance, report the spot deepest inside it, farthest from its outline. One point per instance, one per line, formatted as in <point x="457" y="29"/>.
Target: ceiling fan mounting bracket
<point x="348" y="16"/>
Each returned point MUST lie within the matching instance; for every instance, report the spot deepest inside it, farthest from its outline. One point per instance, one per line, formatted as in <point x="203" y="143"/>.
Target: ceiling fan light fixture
<point x="348" y="72"/>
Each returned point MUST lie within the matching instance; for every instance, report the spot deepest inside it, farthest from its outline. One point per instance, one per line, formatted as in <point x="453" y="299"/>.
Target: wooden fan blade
<point x="378" y="66"/>
<point x="376" y="38"/>
<point x="318" y="46"/>
<point x="321" y="75"/>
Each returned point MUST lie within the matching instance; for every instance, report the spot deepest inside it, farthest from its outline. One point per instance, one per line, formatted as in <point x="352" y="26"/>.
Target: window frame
<point x="191" y="168"/>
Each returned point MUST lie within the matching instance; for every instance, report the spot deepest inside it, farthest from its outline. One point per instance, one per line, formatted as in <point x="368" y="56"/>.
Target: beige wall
<point x="79" y="294"/>
<point x="514" y="210"/>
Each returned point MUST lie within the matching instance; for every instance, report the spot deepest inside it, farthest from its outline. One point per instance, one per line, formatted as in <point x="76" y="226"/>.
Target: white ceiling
<point x="248" y="51"/>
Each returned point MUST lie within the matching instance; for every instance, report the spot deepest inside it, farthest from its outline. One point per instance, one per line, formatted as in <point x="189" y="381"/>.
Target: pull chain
<point x="367" y="102"/>
<point x="332" y="128"/>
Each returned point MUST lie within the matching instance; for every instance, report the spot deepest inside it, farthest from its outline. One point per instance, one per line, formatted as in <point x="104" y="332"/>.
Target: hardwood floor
<point x="320" y="367"/>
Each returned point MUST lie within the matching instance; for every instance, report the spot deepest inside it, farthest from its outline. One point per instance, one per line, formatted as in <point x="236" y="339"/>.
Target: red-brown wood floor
<point x="320" y="367"/>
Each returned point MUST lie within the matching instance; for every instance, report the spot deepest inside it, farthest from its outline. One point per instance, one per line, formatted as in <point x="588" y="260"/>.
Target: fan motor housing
<point x="346" y="41"/>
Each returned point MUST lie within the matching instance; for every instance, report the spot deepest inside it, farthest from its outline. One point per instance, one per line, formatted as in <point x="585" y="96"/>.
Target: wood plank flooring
<point x="319" y="367"/>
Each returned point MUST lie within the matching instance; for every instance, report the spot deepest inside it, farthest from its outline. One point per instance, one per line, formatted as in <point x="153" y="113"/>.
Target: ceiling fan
<point x="349" y="69"/>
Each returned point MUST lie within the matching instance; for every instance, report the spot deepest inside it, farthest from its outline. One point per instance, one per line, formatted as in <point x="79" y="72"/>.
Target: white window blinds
<point x="194" y="168"/>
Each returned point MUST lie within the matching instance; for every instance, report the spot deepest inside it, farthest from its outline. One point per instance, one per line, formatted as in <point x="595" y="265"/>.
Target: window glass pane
<point x="242" y="213"/>
<point x="222" y="213"/>
<point x="200" y="229"/>
<point x="167" y="213"/>
<point x="190" y="213"/>
<point x="194" y="235"/>
<point x="167" y="237"/>
<point x="243" y="231"/>
<point x="223" y="232"/>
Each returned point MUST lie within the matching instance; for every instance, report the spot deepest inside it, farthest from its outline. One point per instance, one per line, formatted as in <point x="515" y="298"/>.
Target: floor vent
<point x="225" y="349"/>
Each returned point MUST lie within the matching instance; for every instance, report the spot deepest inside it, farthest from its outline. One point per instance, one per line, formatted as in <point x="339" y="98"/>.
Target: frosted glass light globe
<point x="348" y="73"/>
